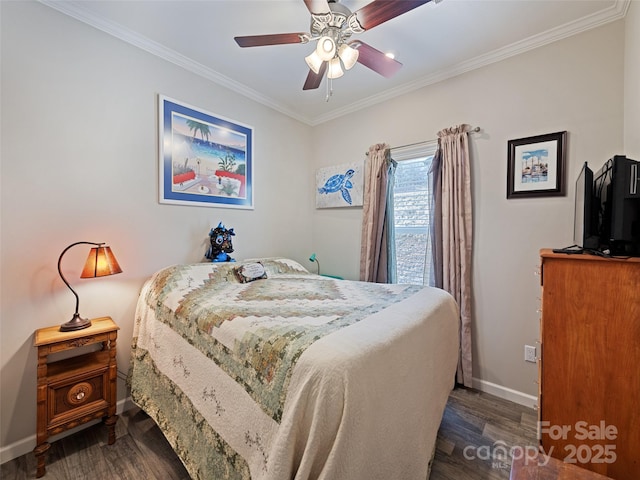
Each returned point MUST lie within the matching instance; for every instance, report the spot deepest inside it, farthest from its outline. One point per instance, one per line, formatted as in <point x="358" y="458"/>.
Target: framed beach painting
<point x="340" y="186"/>
<point x="535" y="166"/>
<point x="204" y="159"/>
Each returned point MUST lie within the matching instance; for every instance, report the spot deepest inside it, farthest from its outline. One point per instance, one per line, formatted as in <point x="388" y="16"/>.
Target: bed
<point x="262" y="370"/>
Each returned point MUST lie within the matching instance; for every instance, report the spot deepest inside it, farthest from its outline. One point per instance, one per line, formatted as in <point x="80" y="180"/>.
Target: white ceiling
<point x="433" y="42"/>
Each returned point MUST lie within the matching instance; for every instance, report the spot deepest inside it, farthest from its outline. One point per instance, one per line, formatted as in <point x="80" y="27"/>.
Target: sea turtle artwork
<point x="221" y="244"/>
<point x="339" y="183"/>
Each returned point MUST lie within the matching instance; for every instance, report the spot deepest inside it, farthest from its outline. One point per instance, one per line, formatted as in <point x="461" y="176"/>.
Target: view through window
<point x="411" y="214"/>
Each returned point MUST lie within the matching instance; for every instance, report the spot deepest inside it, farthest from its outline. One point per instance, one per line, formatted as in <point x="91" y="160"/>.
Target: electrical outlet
<point x="530" y="354"/>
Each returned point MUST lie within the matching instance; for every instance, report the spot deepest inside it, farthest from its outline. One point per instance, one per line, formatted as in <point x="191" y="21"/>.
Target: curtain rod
<point x="473" y="130"/>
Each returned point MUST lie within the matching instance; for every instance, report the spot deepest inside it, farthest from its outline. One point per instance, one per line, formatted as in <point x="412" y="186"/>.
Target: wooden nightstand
<point x="78" y="389"/>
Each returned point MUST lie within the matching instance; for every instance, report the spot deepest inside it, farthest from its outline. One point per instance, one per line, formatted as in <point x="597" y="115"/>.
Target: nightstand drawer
<point x="78" y="342"/>
<point x="80" y="396"/>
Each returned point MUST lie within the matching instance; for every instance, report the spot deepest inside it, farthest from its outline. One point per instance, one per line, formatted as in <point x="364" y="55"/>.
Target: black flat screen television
<point x="616" y="195"/>
<point x="585" y="220"/>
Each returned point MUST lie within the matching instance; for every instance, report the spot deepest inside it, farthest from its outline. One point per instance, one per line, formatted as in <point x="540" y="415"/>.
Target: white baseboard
<point x="506" y="393"/>
<point x="26" y="445"/>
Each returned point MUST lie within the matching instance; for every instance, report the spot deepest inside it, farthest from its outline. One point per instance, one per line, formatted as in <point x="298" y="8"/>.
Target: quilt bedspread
<point x="258" y="380"/>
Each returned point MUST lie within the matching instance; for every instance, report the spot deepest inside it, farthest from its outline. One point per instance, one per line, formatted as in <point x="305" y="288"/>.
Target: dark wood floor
<point x="477" y="434"/>
<point x="476" y="428"/>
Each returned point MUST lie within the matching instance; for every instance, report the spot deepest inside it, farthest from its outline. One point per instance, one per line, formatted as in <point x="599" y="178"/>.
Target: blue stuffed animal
<point x="221" y="244"/>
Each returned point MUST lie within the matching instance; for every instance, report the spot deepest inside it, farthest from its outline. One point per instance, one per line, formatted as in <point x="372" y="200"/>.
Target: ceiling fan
<point x="332" y="25"/>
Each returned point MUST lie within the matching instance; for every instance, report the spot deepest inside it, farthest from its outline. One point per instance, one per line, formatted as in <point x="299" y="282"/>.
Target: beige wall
<point x="576" y="85"/>
<point x="632" y="82"/>
<point x="79" y="163"/>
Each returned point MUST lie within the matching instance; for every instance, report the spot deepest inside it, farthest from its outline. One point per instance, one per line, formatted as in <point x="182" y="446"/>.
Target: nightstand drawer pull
<point x="79" y="393"/>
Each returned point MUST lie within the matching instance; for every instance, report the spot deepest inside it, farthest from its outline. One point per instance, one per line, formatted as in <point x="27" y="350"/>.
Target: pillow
<point x="279" y="265"/>
<point x="250" y="272"/>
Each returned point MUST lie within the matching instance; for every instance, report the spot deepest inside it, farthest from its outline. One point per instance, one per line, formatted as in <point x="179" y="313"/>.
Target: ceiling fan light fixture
<point x="326" y="48"/>
<point x="332" y="25"/>
<point x="348" y="55"/>
<point x="314" y="61"/>
<point x="335" y="70"/>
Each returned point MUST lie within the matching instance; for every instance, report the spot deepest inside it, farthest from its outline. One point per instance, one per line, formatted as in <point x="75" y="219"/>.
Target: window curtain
<point x="452" y="232"/>
<point x="377" y="217"/>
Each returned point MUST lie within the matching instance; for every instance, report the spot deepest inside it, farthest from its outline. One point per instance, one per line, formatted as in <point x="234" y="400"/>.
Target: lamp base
<point x="76" y="323"/>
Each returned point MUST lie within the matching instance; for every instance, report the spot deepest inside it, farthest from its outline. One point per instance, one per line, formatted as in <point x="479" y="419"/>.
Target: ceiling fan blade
<point x="318" y="6"/>
<point x="314" y="79"/>
<point x="380" y="11"/>
<point x="375" y="59"/>
<point x="273" y="39"/>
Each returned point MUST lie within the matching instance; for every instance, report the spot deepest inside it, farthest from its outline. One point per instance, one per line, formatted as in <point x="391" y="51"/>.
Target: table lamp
<point x="313" y="258"/>
<point x="100" y="263"/>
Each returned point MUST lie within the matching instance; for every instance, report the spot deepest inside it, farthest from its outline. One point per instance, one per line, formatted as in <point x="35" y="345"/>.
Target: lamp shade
<point x="348" y="55"/>
<point x="326" y="48"/>
<point x="314" y="61"/>
<point x="100" y="263"/>
<point x="335" y="70"/>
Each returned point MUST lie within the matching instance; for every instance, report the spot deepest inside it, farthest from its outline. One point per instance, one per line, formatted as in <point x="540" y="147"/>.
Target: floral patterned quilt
<point x="227" y="368"/>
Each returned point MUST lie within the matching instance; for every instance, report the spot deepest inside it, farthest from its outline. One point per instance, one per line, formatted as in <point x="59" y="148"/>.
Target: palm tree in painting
<point x="227" y="162"/>
<point x="196" y="127"/>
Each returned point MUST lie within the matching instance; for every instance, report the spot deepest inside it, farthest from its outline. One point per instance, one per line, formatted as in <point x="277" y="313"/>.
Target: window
<point x="411" y="214"/>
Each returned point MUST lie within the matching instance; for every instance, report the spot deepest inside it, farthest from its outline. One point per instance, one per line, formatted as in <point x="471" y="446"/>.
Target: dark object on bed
<point x="221" y="244"/>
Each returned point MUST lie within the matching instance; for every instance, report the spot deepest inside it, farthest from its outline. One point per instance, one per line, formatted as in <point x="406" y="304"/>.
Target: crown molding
<point x="116" y="30"/>
<point x="616" y="12"/>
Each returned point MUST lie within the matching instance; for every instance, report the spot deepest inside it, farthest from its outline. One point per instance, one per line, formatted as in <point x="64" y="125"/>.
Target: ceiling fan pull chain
<point x="329" y="89"/>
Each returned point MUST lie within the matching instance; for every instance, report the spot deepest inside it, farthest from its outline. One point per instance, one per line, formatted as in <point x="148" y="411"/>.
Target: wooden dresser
<point x="589" y="367"/>
<point x="542" y="467"/>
